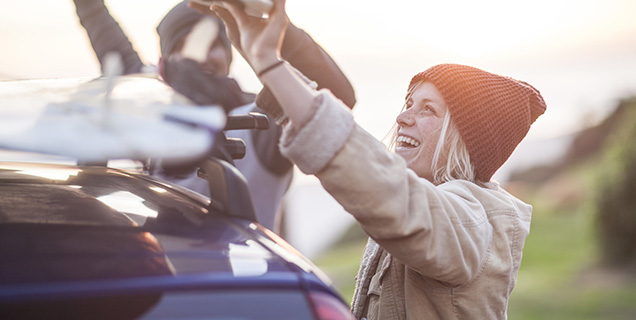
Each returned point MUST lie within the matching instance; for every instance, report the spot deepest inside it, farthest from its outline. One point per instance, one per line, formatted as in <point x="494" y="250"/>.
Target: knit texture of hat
<point x="178" y="22"/>
<point x="493" y="113"/>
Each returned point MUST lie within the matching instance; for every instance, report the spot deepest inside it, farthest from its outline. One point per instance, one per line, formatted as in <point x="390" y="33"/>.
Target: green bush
<point x="616" y="202"/>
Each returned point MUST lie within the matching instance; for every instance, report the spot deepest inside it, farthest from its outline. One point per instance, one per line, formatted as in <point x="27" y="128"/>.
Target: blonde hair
<point x="458" y="165"/>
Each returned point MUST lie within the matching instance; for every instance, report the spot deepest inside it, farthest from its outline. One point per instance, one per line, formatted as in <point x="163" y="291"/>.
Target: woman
<point x="445" y="242"/>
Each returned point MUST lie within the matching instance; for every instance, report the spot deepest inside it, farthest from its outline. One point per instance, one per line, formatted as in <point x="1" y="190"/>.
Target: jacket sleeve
<point x="106" y="35"/>
<point x="440" y="231"/>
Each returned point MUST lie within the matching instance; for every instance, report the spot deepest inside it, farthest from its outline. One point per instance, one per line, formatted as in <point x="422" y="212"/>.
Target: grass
<point x="559" y="276"/>
<point x="342" y="262"/>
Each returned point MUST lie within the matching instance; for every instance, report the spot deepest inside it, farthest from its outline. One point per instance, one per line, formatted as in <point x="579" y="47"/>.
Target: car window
<point x="99" y="197"/>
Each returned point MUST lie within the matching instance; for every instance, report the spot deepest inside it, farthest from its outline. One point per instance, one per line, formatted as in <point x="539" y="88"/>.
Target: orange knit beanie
<point x="493" y="113"/>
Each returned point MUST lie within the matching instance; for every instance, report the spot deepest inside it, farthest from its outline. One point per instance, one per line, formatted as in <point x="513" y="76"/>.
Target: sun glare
<point x="464" y="27"/>
<point x="476" y="28"/>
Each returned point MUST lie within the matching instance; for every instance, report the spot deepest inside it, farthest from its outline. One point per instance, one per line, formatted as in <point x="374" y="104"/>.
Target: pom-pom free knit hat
<point x="493" y="113"/>
<point x="178" y="23"/>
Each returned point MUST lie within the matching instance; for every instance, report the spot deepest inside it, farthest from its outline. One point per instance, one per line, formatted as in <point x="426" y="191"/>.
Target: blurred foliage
<point x="342" y="261"/>
<point x="560" y="276"/>
<point x="616" y="203"/>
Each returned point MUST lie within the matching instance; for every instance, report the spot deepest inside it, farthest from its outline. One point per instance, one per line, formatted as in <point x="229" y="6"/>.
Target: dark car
<point x="95" y="242"/>
<point x="103" y="243"/>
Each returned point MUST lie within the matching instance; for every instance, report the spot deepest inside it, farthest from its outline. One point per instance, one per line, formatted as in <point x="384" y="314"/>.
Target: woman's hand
<point x="230" y="25"/>
<point x="259" y="40"/>
<point x="202" y="8"/>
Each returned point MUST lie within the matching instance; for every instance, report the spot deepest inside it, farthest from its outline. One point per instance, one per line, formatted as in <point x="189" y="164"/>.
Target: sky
<point x="580" y="54"/>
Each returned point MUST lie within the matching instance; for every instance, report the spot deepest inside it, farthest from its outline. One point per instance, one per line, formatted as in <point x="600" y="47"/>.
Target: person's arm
<point x="106" y="35"/>
<point x="301" y="51"/>
<point x="306" y="56"/>
<point x="259" y="41"/>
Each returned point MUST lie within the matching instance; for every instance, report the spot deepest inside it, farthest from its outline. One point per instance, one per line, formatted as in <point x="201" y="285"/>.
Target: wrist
<point x="274" y="65"/>
<point x="259" y="63"/>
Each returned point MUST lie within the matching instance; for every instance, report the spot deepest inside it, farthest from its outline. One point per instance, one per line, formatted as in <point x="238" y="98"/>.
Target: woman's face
<point x="419" y="128"/>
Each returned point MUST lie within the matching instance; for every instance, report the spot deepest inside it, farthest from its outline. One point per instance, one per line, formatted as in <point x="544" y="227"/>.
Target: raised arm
<point x="308" y="57"/>
<point x="301" y="51"/>
<point x="106" y="35"/>
<point x="260" y="42"/>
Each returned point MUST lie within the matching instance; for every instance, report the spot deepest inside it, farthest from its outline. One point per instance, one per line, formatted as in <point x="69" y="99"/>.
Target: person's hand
<point x="258" y="39"/>
<point x="231" y="28"/>
<point x="202" y="8"/>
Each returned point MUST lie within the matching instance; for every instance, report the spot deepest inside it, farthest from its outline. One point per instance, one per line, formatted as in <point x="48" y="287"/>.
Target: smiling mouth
<point x="407" y="142"/>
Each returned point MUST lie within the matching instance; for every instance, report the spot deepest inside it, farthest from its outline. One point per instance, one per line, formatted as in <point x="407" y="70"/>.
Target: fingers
<point x="225" y="15"/>
<point x="278" y="15"/>
<point x="230" y="24"/>
<point x="221" y="11"/>
<point x="279" y="7"/>
<point x="238" y="15"/>
<point x="201" y="8"/>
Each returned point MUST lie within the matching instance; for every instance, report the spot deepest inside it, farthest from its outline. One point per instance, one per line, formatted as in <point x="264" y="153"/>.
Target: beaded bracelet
<point x="270" y="68"/>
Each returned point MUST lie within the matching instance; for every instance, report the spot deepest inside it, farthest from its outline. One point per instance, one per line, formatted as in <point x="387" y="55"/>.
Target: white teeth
<point x="409" y="141"/>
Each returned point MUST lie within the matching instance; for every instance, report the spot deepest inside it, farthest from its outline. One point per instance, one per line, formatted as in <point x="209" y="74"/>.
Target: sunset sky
<point x="580" y="54"/>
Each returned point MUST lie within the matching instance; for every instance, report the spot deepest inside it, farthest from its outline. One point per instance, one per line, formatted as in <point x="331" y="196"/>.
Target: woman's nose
<point x="405" y="119"/>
